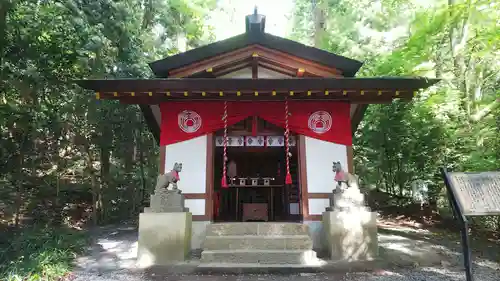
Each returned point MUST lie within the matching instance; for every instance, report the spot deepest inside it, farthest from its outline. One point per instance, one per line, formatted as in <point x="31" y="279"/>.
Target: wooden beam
<point x="222" y="69"/>
<point x="368" y="86"/>
<point x="356" y="118"/>
<point x="283" y="58"/>
<point x="209" y="185"/>
<point x="246" y="97"/>
<point x="269" y="61"/>
<point x="276" y="69"/>
<point x="319" y="195"/>
<point x="245" y="94"/>
<point x="161" y="165"/>
<point x="212" y="62"/>
<point x="304" y="194"/>
<point x="255" y="66"/>
<point x="350" y="159"/>
<point x="300" y="72"/>
<point x="194" y="195"/>
<point x="296" y="62"/>
<point x="232" y="69"/>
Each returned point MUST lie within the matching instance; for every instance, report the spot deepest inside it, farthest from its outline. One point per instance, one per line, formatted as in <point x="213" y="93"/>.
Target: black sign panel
<point x="478" y="194"/>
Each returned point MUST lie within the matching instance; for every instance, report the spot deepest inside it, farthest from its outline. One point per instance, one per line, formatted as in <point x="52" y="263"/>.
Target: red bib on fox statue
<point x="328" y="121"/>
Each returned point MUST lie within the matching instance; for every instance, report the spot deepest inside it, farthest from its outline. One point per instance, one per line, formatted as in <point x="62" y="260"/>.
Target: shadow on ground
<point x="404" y="256"/>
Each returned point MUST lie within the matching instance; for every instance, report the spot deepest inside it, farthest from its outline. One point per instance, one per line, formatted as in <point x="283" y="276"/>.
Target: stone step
<point x="297" y="257"/>
<point x="257" y="268"/>
<point x="251" y="242"/>
<point x="257" y="228"/>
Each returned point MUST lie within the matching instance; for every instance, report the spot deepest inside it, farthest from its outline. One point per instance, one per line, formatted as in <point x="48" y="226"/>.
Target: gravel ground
<point x="420" y="274"/>
<point x="112" y="257"/>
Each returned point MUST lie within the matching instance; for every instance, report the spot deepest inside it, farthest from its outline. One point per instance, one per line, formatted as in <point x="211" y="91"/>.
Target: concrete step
<point x="322" y="266"/>
<point x="257" y="228"/>
<point x="253" y="242"/>
<point x="256" y="268"/>
<point x="286" y="257"/>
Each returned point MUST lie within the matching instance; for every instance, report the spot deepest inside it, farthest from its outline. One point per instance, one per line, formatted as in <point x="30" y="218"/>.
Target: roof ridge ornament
<point x="255" y="22"/>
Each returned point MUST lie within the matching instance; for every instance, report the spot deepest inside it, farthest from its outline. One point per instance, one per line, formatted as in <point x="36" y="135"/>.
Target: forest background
<point x="66" y="159"/>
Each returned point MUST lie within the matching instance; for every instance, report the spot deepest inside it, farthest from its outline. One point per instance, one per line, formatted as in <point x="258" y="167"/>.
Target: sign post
<point x="472" y="194"/>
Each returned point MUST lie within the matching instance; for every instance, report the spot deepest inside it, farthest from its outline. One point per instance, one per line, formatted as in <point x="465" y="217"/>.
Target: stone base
<point x="164" y="238"/>
<point x="351" y="235"/>
<point x="167" y="201"/>
<point x="173" y="210"/>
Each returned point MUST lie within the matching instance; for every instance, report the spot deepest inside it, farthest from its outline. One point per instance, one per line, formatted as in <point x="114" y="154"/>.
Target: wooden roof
<point x="255" y="57"/>
<point x="349" y="67"/>
<point x="312" y="74"/>
<point x="355" y="90"/>
<point x="255" y="36"/>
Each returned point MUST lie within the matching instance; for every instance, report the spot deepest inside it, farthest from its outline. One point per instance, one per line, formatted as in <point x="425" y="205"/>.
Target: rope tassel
<point x="224" y="160"/>
<point x="288" y="178"/>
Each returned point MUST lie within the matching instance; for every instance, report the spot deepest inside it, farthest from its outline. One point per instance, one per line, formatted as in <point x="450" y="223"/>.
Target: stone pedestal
<point x="167" y="201"/>
<point x="164" y="238"/>
<point x="350" y="228"/>
<point x="351" y="235"/>
<point x="164" y="230"/>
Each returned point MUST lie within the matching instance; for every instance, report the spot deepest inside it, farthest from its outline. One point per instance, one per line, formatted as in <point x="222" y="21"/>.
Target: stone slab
<point x="293" y="242"/>
<point x="288" y="269"/>
<point x="298" y="257"/>
<point x="351" y="236"/>
<point x="167" y="210"/>
<point x="477" y="193"/>
<point x="257" y="228"/>
<point x="164" y="238"/>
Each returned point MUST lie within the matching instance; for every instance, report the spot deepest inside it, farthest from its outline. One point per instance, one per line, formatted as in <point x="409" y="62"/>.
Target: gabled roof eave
<point x="349" y="67"/>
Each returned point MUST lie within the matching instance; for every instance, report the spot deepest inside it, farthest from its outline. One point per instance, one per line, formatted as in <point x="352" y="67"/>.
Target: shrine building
<point x="257" y="121"/>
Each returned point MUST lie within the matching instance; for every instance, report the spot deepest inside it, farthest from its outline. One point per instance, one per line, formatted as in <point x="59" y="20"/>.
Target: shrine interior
<point x="256" y="176"/>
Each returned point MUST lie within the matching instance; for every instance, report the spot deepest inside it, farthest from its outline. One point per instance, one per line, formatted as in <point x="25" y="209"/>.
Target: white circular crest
<point x="320" y="122"/>
<point x="189" y="121"/>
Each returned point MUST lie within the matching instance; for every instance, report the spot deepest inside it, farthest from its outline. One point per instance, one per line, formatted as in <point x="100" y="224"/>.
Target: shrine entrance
<point x="256" y="170"/>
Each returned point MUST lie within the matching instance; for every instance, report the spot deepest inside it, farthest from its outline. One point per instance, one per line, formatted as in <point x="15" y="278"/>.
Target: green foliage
<point x="62" y="151"/>
<point x="66" y="158"/>
<point x="454" y="124"/>
<point x="40" y="253"/>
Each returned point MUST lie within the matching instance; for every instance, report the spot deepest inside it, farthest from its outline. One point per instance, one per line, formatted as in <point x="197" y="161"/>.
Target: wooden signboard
<point x="478" y="194"/>
<point x="472" y="194"/>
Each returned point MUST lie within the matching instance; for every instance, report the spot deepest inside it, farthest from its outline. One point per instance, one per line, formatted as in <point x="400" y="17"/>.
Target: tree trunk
<point x="105" y="165"/>
<point x="458" y="35"/>
<point x="96" y="192"/>
<point x="141" y="165"/>
<point x="19" y="184"/>
<point x="5" y="7"/>
<point x="319" y="23"/>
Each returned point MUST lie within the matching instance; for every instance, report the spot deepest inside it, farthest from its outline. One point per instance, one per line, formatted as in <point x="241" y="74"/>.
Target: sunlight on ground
<point x="147" y="259"/>
<point x="123" y="253"/>
<point x="407" y="229"/>
<point x="443" y="271"/>
<point x="309" y="258"/>
<point x="121" y="249"/>
<point x="402" y="248"/>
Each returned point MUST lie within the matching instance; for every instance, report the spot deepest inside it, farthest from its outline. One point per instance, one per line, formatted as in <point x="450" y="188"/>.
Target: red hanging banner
<point x="182" y="121"/>
<point x="328" y="121"/>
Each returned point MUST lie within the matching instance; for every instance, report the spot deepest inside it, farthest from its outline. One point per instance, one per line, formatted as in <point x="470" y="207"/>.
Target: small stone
<point x="445" y="263"/>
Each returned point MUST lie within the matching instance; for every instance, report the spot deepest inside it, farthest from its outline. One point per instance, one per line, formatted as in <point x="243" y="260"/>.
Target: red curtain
<point x="328" y="121"/>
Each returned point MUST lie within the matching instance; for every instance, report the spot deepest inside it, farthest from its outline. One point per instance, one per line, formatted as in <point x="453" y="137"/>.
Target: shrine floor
<point x="408" y="254"/>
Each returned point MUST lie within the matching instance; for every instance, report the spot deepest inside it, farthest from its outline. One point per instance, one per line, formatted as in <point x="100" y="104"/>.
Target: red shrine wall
<point x="187" y="136"/>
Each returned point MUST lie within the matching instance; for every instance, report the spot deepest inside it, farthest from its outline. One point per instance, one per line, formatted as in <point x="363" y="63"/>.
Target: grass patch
<point x="39" y="253"/>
